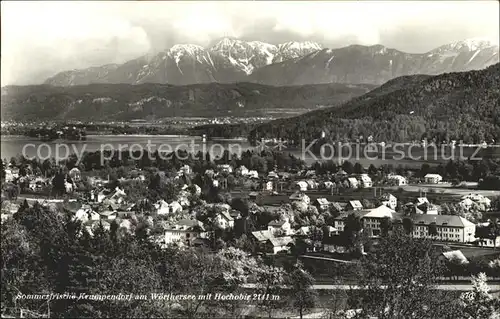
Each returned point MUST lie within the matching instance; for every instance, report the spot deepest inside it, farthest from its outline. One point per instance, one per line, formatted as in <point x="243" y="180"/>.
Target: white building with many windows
<point x="184" y="232"/>
<point x="448" y="228"/>
<point x="372" y="219"/>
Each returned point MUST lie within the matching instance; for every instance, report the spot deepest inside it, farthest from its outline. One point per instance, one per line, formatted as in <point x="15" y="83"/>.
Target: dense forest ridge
<point x="291" y="63"/>
<point x="125" y="102"/>
<point x="452" y="106"/>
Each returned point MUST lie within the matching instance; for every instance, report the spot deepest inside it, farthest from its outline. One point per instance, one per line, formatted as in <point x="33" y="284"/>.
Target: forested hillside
<point x="460" y="106"/>
<point x="156" y="101"/>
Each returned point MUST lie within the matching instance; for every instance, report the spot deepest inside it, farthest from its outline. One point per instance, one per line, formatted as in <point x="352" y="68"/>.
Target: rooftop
<point x="441" y="220"/>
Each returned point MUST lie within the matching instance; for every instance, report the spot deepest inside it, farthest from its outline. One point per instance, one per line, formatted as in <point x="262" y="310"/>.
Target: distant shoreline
<point x="17" y="136"/>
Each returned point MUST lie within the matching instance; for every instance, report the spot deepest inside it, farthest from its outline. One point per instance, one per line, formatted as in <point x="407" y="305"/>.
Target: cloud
<point x="40" y="39"/>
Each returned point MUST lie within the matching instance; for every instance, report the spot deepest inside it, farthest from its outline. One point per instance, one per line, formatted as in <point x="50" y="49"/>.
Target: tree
<point x="304" y="296"/>
<point x="494" y="268"/>
<point x="12" y="191"/>
<point x="424" y="169"/>
<point x="385" y="226"/>
<point x="397" y="279"/>
<point x="352" y="232"/>
<point x="432" y="229"/>
<point x="269" y="281"/>
<point x="358" y="168"/>
<point x="2" y="170"/>
<point x="367" y="204"/>
<point x="348" y="167"/>
<point x="479" y="303"/>
<point x="18" y="267"/>
<point x="408" y="225"/>
<point x="241" y="205"/>
<point x="372" y="170"/>
<point x="58" y="183"/>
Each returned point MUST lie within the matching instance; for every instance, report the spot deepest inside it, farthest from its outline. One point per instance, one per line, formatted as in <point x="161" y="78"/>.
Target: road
<point x="446" y="287"/>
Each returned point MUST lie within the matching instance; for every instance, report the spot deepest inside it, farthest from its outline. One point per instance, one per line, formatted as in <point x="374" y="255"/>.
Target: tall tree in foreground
<point x="398" y="278"/>
<point x="479" y="303"/>
<point x="304" y="297"/>
<point x="270" y="280"/>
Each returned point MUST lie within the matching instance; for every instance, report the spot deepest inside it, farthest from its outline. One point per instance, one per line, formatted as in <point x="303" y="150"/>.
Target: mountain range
<point x="293" y="63"/>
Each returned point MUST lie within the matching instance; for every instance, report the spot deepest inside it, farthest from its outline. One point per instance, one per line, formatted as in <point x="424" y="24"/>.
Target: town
<point x="269" y="204"/>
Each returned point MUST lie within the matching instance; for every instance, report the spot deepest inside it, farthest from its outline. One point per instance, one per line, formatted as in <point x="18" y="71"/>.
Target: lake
<point x="12" y="146"/>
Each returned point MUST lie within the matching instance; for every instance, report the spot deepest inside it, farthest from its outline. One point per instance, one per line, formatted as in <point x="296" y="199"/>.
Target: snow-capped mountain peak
<point x="294" y="49"/>
<point x="246" y="56"/>
<point x="467" y="45"/>
<point x="474" y="44"/>
<point x="294" y="45"/>
<point x="191" y="49"/>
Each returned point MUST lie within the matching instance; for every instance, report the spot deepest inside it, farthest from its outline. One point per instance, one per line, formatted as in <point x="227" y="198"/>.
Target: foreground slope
<point x="155" y="101"/>
<point x="461" y="106"/>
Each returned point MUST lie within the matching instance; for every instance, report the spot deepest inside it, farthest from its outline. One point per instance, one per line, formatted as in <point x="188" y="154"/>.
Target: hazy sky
<point x="40" y="39"/>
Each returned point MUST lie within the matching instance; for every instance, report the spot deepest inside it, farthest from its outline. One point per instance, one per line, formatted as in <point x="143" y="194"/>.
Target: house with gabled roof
<point x="310" y="173"/>
<point x="301" y="186"/>
<point x="322" y="203"/>
<point x="275" y="245"/>
<point x="175" y="207"/>
<point x="303" y="231"/>
<point x="389" y="200"/>
<point x="253" y="174"/>
<point x="427" y="208"/>
<point x="107" y="215"/>
<point x="421" y="200"/>
<point x="225" y="168"/>
<point x="365" y="180"/>
<point x="312" y="184"/>
<point x="242" y="170"/>
<point x="482" y="201"/>
<point x="253" y="195"/>
<point x="353" y="182"/>
<point x="279" y="226"/>
<point x="224" y="219"/>
<point x="272" y="175"/>
<point x="397" y="180"/>
<point x="262" y="235"/>
<point x="433" y="178"/>
<point x="455" y="254"/>
<point x="354" y="205"/>
<point x="86" y="213"/>
<point x="341" y="173"/>
<point x="337" y="207"/>
<point x="162" y="207"/>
